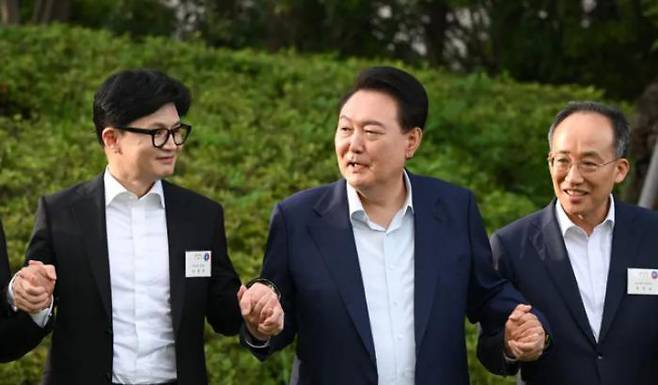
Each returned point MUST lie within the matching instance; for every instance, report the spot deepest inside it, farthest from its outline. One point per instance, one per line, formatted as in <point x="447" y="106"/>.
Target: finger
<point x="518" y="311"/>
<point x="518" y="328"/>
<point x="536" y="330"/>
<point x="263" y="299"/>
<point x="245" y="301"/>
<point x="241" y="292"/>
<point x="51" y="273"/>
<point x="268" y="308"/>
<point x="275" y="321"/>
<point x="526" y="347"/>
<point x="31" y="307"/>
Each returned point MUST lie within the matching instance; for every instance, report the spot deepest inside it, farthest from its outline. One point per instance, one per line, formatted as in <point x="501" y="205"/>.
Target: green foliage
<point x="263" y="129"/>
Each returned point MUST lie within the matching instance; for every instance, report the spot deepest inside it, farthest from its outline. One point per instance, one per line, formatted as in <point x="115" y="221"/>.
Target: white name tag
<point x="643" y="281"/>
<point x="197" y="263"/>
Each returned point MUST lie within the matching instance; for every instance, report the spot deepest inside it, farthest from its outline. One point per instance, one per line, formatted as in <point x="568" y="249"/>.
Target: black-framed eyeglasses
<point x="562" y="163"/>
<point x="160" y="136"/>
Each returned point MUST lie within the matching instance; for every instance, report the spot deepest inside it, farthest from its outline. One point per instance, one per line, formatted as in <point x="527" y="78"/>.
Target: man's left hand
<point x="261" y="311"/>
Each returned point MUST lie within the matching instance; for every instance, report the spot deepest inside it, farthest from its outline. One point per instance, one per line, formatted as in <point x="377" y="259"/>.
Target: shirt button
<point x="600" y="356"/>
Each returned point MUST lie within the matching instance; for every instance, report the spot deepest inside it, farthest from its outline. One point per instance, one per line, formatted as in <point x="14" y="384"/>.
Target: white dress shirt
<point x="138" y="251"/>
<point x="590" y="260"/>
<point x="386" y="259"/>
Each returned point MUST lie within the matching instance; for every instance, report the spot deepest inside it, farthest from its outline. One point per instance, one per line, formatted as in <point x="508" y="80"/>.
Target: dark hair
<point x="407" y="91"/>
<point x="617" y="119"/>
<point x="128" y="95"/>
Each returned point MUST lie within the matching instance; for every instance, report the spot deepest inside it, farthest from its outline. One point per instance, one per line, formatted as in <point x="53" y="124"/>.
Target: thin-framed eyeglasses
<point x="562" y="163"/>
<point x="160" y="136"/>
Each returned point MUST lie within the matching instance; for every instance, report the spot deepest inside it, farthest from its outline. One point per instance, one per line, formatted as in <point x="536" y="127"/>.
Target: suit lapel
<point x="549" y="243"/>
<point x="90" y="214"/>
<point x="429" y="233"/>
<point x="176" y="234"/>
<point x="333" y="235"/>
<point x="624" y="245"/>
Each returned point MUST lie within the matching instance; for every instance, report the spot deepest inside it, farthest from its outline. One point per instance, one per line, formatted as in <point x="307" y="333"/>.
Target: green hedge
<point x="263" y="129"/>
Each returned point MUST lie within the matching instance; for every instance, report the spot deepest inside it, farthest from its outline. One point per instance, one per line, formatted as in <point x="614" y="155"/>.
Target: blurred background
<point x="266" y="77"/>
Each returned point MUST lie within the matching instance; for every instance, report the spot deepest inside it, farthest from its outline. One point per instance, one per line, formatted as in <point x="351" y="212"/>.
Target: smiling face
<point x="371" y="147"/>
<point x="132" y="156"/>
<point x="586" y="137"/>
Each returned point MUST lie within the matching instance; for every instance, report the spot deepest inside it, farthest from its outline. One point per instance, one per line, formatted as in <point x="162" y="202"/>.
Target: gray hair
<point x="617" y="119"/>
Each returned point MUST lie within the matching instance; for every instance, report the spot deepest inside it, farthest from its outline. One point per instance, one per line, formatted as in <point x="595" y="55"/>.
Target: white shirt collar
<point x="566" y="223"/>
<point x="113" y="189"/>
<point x="354" y="202"/>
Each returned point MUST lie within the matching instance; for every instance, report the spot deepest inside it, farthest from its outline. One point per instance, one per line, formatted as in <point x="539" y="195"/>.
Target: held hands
<point x="524" y="335"/>
<point x="33" y="287"/>
<point x="261" y="310"/>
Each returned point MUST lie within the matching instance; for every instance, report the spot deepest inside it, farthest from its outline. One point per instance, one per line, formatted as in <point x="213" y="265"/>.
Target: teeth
<point x="574" y="193"/>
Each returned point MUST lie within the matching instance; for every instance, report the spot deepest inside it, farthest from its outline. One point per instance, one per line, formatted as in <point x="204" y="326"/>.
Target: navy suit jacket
<point x="312" y="257"/>
<point x="531" y="253"/>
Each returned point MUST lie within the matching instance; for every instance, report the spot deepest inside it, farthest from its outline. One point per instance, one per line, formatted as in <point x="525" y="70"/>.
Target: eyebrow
<point x="584" y="154"/>
<point x="367" y="122"/>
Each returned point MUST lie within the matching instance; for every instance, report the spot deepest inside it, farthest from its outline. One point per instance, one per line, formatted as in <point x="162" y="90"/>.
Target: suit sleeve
<point x="223" y="310"/>
<point x="18" y="333"/>
<point x="491" y="344"/>
<point x="491" y="298"/>
<point x="275" y="268"/>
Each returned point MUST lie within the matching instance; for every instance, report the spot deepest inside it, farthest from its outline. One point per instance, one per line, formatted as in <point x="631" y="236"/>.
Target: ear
<point x="414" y="138"/>
<point x="621" y="170"/>
<point x="111" y="140"/>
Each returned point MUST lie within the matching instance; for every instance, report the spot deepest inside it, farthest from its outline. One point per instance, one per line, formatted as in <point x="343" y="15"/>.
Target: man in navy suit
<point x="587" y="260"/>
<point x="378" y="270"/>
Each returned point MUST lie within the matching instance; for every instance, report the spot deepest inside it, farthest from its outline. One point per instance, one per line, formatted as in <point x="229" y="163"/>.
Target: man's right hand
<point x="33" y="287"/>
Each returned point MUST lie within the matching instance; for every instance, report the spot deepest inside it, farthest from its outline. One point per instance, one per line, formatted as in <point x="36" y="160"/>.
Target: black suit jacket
<point x="531" y="253"/>
<point x="15" y="338"/>
<point x="70" y="233"/>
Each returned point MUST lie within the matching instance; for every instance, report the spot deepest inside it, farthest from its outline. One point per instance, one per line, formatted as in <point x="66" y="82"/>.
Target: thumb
<point x="241" y="292"/>
<point x="245" y="302"/>
<point x="518" y="311"/>
<point x="50" y="272"/>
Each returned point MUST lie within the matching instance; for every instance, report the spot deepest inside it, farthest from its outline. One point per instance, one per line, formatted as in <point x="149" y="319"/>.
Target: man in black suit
<point x="587" y="260"/>
<point x="140" y="262"/>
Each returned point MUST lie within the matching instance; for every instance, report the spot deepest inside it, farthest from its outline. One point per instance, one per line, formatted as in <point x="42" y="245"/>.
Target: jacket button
<point x="108" y="331"/>
<point x="108" y="376"/>
<point x="600" y="356"/>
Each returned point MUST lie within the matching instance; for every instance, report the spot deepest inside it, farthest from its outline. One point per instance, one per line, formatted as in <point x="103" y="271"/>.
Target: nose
<point x="573" y="175"/>
<point x="357" y="141"/>
<point x="170" y="145"/>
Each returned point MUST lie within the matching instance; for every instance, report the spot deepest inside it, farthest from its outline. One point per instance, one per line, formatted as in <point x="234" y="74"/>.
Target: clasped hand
<point x="261" y="311"/>
<point x="33" y="287"/>
<point x="525" y="337"/>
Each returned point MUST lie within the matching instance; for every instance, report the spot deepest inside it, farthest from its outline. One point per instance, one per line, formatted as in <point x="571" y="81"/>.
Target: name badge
<point x="197" y="264"/>
<point x="643" y="281"/>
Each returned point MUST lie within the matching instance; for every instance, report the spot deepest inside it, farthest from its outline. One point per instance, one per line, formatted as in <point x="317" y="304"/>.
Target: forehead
<point x="370" y="105"/>
<point x="583" y="132"/>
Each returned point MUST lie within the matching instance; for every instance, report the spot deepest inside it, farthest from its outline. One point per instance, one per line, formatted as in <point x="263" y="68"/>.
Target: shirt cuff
<point x="41" y="317"/>
<point x="508" y="359"/>
<point x="253" y="342"/>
